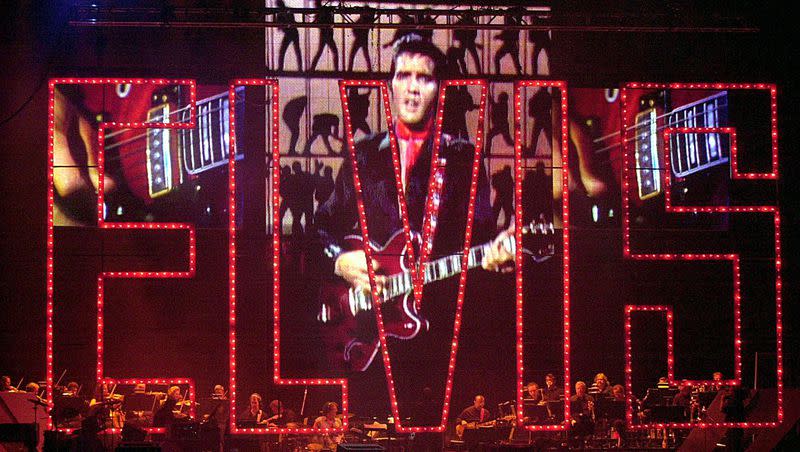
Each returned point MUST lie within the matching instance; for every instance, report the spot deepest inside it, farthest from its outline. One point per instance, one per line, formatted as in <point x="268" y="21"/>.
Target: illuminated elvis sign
<point x="410" y="282"/>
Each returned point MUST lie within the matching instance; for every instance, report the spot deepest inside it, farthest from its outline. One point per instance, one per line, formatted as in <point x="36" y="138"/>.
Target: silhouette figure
<point x="510" y="43"/>
<point x="456" y="65"/>
<point x="361" y="41"/>
<point x="537" y="193"/>
<point x="466" y="39"/>
<point x="323" y="182"/>
<point x="539" y="108"/>
<point x="425" y="20"/>
<point x="324" y="20"/>
<point x="400" y="33"/>
<point x="326" y="126"/>
<point x="457" y="103"/>
<point x="359" y="110"/>
<point x="499" y="120"/>
<point x="292" y="112"/>
<point x="299" y="199"/>
<point x="286" y="188"/>
<point x="290" y="36"/>
<point x="540" y="39"/>
<point x="503" y="185"/>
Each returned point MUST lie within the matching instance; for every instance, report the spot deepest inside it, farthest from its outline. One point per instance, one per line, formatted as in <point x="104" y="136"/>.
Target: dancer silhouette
<point x="499" y="120"/>
<point x="510" y="43"/>
<point x="325" y="126"/>
<point x="361" y="41"/>
<point x="292" y="112"/>
<point x="359" y="110"/>
<point x="290" y="36"/>
<point x="467" y="41"/>
<point x="324" y="21"/>
<point x="503" y="185"/>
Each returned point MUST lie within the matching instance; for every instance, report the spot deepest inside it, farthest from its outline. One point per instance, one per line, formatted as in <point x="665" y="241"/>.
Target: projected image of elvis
<point x="417" y="338"/>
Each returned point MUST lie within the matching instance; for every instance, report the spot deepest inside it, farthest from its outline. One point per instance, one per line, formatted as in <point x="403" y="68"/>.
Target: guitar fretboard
<point x="436" y="270"/>
<point x="199" y="149"/>
<point x="689" y="152"/>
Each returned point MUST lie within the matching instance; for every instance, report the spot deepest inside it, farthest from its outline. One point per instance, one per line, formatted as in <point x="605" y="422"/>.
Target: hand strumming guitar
<point x="352" y="267"/>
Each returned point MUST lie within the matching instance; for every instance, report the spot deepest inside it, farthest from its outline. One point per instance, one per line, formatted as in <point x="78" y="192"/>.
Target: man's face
<point x="580" y="389"/>
<point x="414" y="88"/>
<point x="549" y="381"/>
<point x="532" y="388"/>
<point x="479" y="402"/>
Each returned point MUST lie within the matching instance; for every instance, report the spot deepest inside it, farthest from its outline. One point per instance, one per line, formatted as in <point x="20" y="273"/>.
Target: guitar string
<point x="659" y="128"/>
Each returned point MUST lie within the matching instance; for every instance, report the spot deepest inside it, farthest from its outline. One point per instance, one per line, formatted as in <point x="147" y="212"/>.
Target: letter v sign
<point x="420" y="272"/>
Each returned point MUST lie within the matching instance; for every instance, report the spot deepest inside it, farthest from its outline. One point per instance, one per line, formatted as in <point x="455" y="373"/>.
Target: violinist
<point x="171" y="409"/>
<point x="106" y="407"/>
<point x="72" y="389"/>
<point x="32" y="388"/>
<point x="5" y="384"/>
<point x="219" y="393"/>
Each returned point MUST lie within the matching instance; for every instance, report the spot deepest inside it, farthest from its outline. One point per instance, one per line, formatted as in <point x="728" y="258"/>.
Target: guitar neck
<point x="173" y="153"/>
<point x="442" y="268"/>
<point x="689" y="152"/>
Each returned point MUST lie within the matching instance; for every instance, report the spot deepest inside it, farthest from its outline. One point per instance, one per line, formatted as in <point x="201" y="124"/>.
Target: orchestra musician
<point x="474" y="415"/>
<point x="254" y="413"/>
<point x="551" y="392"/>
<point x="32" y="388"/>
<point x="717" y="384"/>
<point x="583" y="414"/>
<point x="328" y="420"/>
<point x="684" y="398"/>
<point x="171" y="409"/>
<point x="600" y="387"/>
<point x="72" y="389"/>
<point x="279" y="415"/>
<point x="618" y="393"/>
<point x="5" y="384"/>
<point x="105" y="407"/>
<point x="534" y="393"/>
<point x="219" y="393"/>
<point x="533" y="396"/>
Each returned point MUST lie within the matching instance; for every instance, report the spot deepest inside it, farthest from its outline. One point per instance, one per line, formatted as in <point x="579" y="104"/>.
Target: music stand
<point x="138" y="409"/>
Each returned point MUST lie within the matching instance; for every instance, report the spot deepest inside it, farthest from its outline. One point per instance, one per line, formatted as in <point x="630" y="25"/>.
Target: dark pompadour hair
<point x="414" y="43"/>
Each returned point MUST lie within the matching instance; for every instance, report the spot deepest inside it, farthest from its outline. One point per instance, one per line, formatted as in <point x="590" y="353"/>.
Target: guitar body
<point x="349" y="330"/>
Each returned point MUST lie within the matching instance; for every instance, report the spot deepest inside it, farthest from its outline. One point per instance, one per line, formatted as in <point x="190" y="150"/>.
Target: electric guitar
<point x="346" y="313"/>
<point x="476" y="425"/>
